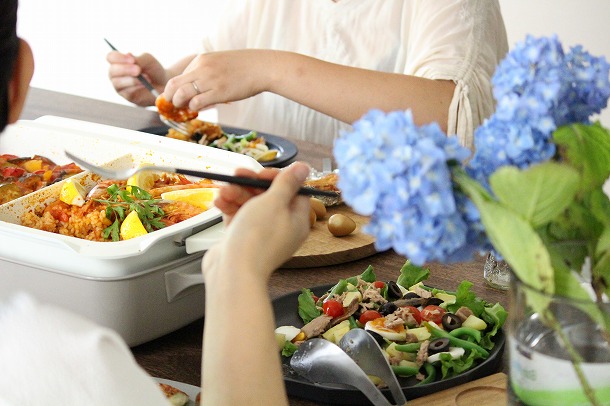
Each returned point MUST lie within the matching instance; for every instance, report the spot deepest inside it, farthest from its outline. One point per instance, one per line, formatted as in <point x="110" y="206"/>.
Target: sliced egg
<point x="455" y="352"/>
<point x="72" y="193"/>
<point x="289" y="332"/>
<point x="398" y="333"/>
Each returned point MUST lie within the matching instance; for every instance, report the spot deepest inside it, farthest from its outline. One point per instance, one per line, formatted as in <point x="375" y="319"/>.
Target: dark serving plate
<point x="286" y="313"/>
<point x="286" y="149"/>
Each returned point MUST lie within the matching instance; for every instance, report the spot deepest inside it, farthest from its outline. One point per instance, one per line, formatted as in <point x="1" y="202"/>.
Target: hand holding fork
<point x="178" y="126"/>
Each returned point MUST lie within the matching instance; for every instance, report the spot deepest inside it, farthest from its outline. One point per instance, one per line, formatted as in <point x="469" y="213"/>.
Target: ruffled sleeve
<point x="462" y="41"/>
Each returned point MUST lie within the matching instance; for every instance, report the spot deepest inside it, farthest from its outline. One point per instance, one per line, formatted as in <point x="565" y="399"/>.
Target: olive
<point x="318" y="207"/>
<point x="438" y="345"/>
<point x="378" y="337"/>
<point x="411" y="295"/>
<point x="394" y="291"/>
<point x="451" y="321"/>
<point x="432" y="301"/>
<point x="387" y="308"/>
<point x="312" y="217"/>
<point x="340" y="225"/>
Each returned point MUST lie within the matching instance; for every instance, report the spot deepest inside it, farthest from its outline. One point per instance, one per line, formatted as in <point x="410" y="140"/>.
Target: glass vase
<point x="558" y="354"/>
<point x="496" y="273"/>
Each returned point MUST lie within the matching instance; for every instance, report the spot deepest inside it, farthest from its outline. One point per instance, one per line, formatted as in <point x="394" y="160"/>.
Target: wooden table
<point x="177" y="356"/>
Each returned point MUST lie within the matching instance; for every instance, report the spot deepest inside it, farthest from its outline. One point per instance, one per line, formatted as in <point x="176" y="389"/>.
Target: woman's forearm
<point x="347" y="93"/>
<point x="241" y="362"/>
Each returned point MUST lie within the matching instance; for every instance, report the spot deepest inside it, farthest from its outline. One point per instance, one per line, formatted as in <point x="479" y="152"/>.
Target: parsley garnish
<point x="122" y="201"/>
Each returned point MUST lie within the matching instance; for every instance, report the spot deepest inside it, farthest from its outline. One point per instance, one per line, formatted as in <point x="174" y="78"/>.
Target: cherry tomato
<point x="433" y="313"/>
<point x="332" y="308"/>
<point x="379" y="284"/>
<point x="369" y="315"/>
<point x="414" y="311"/>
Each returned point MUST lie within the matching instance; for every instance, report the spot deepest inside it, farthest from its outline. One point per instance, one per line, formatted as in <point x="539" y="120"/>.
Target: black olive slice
<point x="411" y="295"/>
<point x="438" y="345"/>
<point x="378" y="337"/>
<point x="432" y="301"/>
<point x="394" y="291"/>
<point x="451" y="321"/>
<point x="387" y="308"/>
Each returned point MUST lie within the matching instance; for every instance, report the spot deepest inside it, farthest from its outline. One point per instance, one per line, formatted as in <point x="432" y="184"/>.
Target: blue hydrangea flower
<point x="538" y="88"/>
<point x="398" y="173"/>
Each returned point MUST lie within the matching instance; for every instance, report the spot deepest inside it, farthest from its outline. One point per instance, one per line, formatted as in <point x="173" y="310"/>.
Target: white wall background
<point x="67" y="35"/>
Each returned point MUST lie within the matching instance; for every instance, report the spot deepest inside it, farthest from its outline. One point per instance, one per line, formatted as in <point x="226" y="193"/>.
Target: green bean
<point x="430" y="374"/>
<point x="411" y="347"/>
<point x="458" y="342"/>
<point x="404" y="370"/>
<point x="352" y="322"/>
<point x="468" y="332"/>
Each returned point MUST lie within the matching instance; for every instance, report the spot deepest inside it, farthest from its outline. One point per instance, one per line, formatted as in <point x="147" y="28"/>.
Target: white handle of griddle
<point x="203" y="240"/>
<point x="180" y="279"/>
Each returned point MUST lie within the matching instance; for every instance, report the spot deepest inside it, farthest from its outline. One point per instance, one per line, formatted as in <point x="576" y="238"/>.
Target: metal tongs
<point x="357" y="355"/>
<point x="180" y="127"/>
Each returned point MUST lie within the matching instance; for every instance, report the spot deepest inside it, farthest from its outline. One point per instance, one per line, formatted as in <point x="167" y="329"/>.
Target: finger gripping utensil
<point x="367" y="353"/>
<point x="180" y="127"/>
<point x="121" y="174"/>
<point x="323" y="362"/>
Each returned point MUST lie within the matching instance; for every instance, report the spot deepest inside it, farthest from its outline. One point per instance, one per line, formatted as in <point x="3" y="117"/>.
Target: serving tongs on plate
<point x="348" y="364"/>
<point x="180" y="127"/>
<point x="122" y="174"/>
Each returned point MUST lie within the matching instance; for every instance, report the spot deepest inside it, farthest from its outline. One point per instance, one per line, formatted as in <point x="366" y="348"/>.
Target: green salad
<point x="426" y="333"/>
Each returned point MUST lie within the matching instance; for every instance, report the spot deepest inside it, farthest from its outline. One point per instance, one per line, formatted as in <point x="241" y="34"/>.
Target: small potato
<point x="312" y="217"/>
<point x="340" y="225"/>
<point x="318" y="207"/>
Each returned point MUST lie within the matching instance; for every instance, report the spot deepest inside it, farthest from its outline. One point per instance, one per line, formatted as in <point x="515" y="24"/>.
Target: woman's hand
<point x="124" y="70"/>
<point x="264" y="228"/>
<point x="221" y="77"/>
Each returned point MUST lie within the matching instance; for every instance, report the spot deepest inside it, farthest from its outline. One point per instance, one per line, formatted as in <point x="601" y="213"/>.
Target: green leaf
<point x="586" y="148"/>
<point x="465" y="297"/>
<point x="411" y="274"/>
<point x="494" y="316"/>
<point x="307" y="307"/>
<point x="289" y="349"/>
<point x="512" y="236"/>
<point x="368" y="275"/>
<point x="539" y="193"/>
<point x="600" y="206"/>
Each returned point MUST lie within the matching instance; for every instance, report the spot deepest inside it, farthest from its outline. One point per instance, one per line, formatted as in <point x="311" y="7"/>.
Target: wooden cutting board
<point x="488" y="391"/>
<point x="322" y="248"/>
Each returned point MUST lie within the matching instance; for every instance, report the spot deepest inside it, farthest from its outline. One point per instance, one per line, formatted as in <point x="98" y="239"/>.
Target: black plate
<point x="286" y="149"/>
<point x="286" y="314"/>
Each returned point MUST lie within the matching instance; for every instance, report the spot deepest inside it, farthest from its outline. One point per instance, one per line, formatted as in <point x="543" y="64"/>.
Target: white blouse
<point x="458" y="40"/>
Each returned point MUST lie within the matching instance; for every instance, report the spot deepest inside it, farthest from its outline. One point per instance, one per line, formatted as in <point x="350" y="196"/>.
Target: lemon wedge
<point x="72" y="193"/>
<point x="132" y="227"/>
<point x="267" y="155"/>
<point x="144" y="180"/>
<point x="202" y="197"/>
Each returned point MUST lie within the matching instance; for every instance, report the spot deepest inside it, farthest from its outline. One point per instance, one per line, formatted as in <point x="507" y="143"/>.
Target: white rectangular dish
<point x="143" y="287"/>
